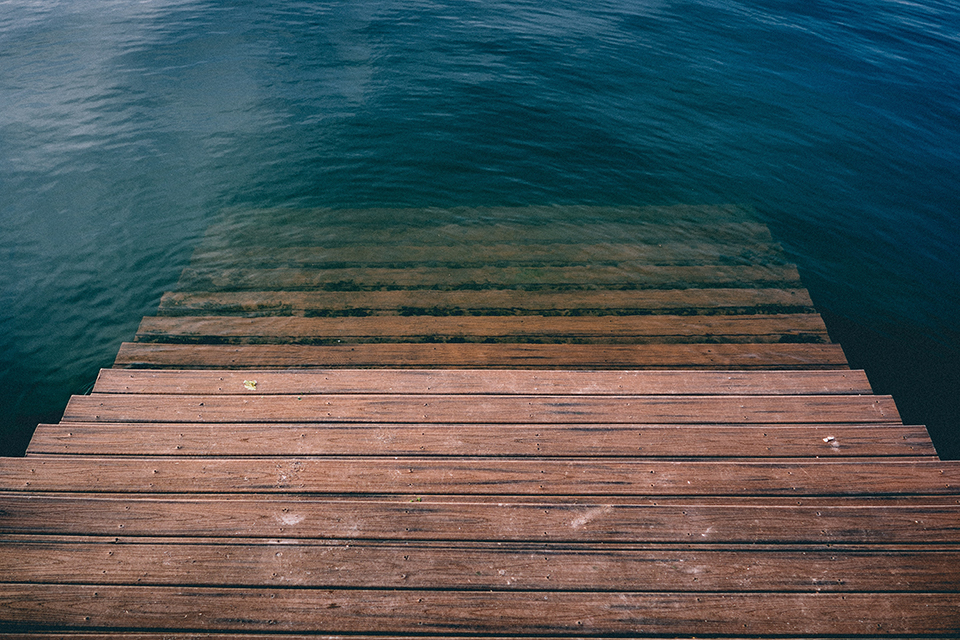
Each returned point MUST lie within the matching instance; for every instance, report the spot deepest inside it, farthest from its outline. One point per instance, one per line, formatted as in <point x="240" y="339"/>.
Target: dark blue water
<point x="125" y="127"/>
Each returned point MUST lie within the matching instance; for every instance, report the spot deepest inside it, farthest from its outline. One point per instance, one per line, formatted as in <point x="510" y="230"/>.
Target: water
<point x="126" y="127"/>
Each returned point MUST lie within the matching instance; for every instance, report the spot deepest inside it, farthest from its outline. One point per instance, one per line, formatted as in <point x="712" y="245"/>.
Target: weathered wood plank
<point x="480" y="476"/>
<point x="603" y="329"/>
<point x="484" y="302"/>
<point x="524" y="612"/>
<point x="503" y="566"/>
<point x="509" y="254"/>
<point x="473" y="356"/>
<point x="761" y="440"/>
<point x="916" y="519"/>
<point x="484" y="382"/>
<point x="491" y="409"/>
<point x="625" y="274"/>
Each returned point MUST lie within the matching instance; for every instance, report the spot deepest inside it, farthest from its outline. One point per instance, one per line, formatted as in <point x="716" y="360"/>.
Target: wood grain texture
<point x="807" y="328"/>
<point x="742" y="520"/>
<point x="543" y="441"/>
<point x="495" y="356"/>
<point x="490" y="409"/>
<point x="479" y="476"/>
<point x="476" y="566"/>
<point x="484" y="382"/>
<point x="483" y="302"/>
<point x="532" y="612"/>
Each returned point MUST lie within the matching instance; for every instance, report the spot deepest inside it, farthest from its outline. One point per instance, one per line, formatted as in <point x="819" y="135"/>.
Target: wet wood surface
<point x="473" y="430"/>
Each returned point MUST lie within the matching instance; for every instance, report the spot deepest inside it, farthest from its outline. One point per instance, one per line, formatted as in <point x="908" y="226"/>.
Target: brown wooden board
<point x="472" y="356"/>
<point x="503" y="567"/>
<point x="484" y="382"/>
<point x="502" y="409"/>
<point x="604" y="329"/>
<point x="485" y="302"/>
<point x="230" y="439"/>
<point x="889" y="520"/>
<point x="514" y="613"/>
<point x="479" y="476"/>
<point x="626" y="275"/>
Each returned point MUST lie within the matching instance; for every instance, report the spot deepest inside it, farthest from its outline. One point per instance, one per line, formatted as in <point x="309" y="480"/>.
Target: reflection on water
<point x="127" y="128"/>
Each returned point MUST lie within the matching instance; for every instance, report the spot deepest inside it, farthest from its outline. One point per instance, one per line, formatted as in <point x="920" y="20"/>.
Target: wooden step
<point x="609" y="253"/>
<point x="486" y="302"/>
<point x="484" y="382"/>
<point x="625" y="275"/>
<point x="517" y="613"/>
<point x="450" y="408"/>
<point x="496" y="356"/>
<point x="383" y="439"/>
<point x="799" y="328"/>
<point x="478" y="566"/>
<point x="696" y="520"/>
<point x="481" y="476"/>
<point x="265" y="231"/>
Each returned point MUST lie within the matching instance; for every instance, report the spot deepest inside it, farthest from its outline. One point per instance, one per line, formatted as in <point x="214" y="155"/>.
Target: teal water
<point x="126" y="127"/>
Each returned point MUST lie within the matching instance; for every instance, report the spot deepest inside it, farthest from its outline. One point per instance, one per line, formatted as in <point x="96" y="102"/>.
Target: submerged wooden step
<point x="308" y="231"/>
<point x="486" y="302"/>
<point x="800" y="328"/>
<point x="504" y="255"/>
<point x="623" y="275"/>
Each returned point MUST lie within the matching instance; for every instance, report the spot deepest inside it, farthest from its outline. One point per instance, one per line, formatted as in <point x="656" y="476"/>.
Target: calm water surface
<point x="125" y="127"/>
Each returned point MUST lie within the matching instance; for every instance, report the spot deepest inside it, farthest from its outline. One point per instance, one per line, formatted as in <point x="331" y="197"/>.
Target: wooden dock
<point x="476" y="429"/>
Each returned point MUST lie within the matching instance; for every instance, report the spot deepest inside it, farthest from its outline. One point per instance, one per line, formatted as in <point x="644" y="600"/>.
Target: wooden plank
<point x="492" y="409"/>
<point x="609" y="253"/>
<point x="507" y="567"/>
<point x="514" y="613"/>
<point x="484" y="302"/>
<point x="604" y="329"/>
<point x="917" y="519"/>
<point x="761" y="440"/>
<point x="625" y="275"/>
<point x="474" y="356"/>
<point x="480" y="476"/>
<point x="484" y="382"/>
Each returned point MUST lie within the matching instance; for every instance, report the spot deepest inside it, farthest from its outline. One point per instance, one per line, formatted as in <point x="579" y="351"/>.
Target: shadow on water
<point x="918" y="371"/>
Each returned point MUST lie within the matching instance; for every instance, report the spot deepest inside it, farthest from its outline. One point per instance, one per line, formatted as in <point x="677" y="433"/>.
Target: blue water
<point x="125" y="127"/>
